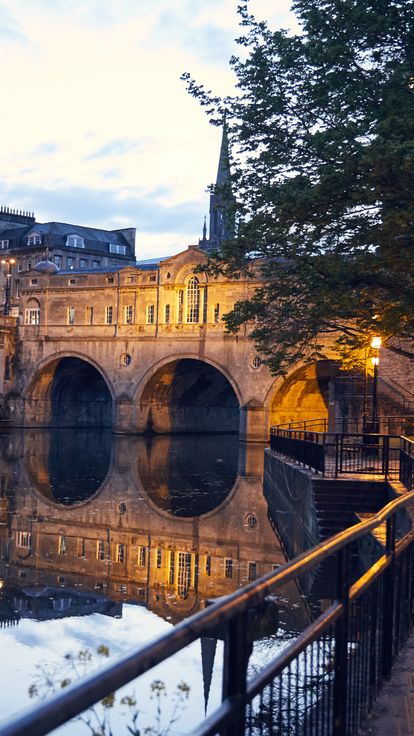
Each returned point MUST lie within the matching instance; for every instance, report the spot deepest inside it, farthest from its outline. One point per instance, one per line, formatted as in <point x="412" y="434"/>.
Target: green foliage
<point x="50" y="678"/>
<point x="322" y="133"/>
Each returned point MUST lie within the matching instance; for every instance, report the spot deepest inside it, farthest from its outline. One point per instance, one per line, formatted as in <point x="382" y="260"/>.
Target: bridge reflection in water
<point x="91" y="523"/>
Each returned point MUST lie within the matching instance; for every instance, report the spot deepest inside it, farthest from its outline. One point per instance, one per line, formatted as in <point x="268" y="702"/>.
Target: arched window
<point x="32" y="313"/>
<point x="193" y="299"/>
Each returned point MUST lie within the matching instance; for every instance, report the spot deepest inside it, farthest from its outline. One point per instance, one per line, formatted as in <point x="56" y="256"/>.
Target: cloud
<point x="10" y="29"/>
<point x="116" y="147"/>
<point x="44" y="149"/>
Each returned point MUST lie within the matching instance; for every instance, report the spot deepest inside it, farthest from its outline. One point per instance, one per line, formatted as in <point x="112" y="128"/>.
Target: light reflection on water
<point x="111" y="540"/>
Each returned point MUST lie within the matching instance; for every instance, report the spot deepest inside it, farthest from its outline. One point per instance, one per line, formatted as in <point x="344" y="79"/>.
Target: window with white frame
<point x="57" y="260"/>
<point x="34" y="239"/>
<point x="62" y="544"/>
<point x="4" y="244"/>
<point x="96" y="264"/>
<point x="128" y="314"/>
<point x="24" y="539"/>
<point x="167" y="314"/>
<point x="70" y="262"/>
<point x="184" y="574"/>
<point x="109" y="315"/>
<point x="150" y="314"/>
<point x="119" y="249"/>
<point x="120" y="552"/>
<point x="100" y="549"/>
<point x="70" y="316"/>
<point x="83" y="263"/>
<point x="193" y="300"/>
<point x="75" y="241"/>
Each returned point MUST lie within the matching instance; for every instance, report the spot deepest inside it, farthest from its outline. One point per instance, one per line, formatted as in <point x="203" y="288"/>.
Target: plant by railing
<point x="324" y="682"/>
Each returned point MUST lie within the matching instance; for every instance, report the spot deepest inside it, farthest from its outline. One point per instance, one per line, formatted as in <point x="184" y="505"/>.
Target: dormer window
<point x="34" y="239"/>
<point x="4" y="244"/>
<point x="75" y="241"/>
<point x="119" y="249"/>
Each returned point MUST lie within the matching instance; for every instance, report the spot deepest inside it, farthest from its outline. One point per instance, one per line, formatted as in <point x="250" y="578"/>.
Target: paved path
<point x="393" y="712"/>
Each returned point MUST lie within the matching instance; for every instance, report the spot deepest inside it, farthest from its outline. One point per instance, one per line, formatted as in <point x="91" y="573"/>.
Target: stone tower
<point x="221" y="223"/>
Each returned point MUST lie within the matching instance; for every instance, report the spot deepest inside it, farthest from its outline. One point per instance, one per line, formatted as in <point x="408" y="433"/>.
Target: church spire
<point x="221" y="220"/>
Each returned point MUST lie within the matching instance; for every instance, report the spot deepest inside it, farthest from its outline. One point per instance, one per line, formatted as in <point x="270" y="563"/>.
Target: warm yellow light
<point x="4" y="261"/>
<point x="12" y="260"/>
<point x="376" y="342"/>
<point x="375" y="360"/>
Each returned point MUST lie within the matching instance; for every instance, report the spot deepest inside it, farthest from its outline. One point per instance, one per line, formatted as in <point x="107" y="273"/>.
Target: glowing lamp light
<point x="376" y="343"/>
<point x="375" y="360"/>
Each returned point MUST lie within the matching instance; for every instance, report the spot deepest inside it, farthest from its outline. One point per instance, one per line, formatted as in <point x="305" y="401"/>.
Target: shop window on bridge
<point x="171" y="572"/>
<point x="109" y="315"/>
<point x="81" y="551"/>
<point x="150" y="314"/>
<point x="62" y="544"/>
<point x="24" y="539"/>
<point x="159" y="558"/>
<point x="70" y="316"/>
<point x="167" y="314"/>
<point x="120" y="553"/>
<point x="216" y="316"/>
<point x="128" y="314"/>
<point x="32" y="313"/>
<point x="180" y="306"/>
<point x="193" y="300"/>
<point x="252" y="571"/>
<point x="100" y="550"/>
<point x="142" y="556"/>
<point x="228" y="568"/>
<point x="208" y="565"/>
<point x="184" y="574"/>
<point x="89" y="316"/>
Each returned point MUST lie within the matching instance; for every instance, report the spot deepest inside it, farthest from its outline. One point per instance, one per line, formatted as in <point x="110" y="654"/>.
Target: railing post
<point x="388" y="604"/>
<point x="337" y="451"/>
<point x="237" y="650"/>
<point x="385" y="454"/>
<point x="340" y="686"/>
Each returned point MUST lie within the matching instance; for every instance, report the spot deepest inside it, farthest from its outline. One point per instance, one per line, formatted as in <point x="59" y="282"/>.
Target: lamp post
<point x="8" y="262"/>
<point x="375" y="346"/>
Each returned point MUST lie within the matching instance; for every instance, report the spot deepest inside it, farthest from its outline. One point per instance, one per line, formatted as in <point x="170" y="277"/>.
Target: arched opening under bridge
<point x="69" y="392"/>
<point x="190" y="396"/>
<point x="304" y="394"/>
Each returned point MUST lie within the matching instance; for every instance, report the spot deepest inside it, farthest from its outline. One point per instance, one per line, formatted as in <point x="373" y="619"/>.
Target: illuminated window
<point x="150" y="314"/>
<point x="228" y="568"/>
<point x="61" y="545"/>
<point x="120" y="552"/>
<point x="167" y="314"/>
<point x="142" y="556"/>
<point x="108" y="315"/>
<point x="70" y="318"/>
<point x="24" y="539"/>
<point x="193" y="300"/>
<point x="100" y="550"/>
<point x="128" y="314"/>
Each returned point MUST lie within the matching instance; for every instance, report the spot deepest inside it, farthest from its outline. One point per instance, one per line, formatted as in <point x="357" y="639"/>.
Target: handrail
<point x="76" y="698"/>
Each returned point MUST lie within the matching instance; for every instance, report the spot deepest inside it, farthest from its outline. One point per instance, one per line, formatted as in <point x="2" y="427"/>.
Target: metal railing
<point x="333" y="454"/>
<point x="323" y="683"/>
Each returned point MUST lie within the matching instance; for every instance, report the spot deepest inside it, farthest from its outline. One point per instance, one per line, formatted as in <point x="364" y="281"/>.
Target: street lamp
<point x="375" y="346"/>
<point x="8" y="262"/>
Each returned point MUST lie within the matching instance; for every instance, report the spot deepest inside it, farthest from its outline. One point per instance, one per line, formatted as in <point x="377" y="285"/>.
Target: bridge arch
<point x="68" y="389"/>
<point x="303" y="394"/>
<point x="188" y="393"/>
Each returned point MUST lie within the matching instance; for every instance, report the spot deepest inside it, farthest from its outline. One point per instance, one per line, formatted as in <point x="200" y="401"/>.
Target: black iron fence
<point x="334" y="454"/>
<point x="323" y="683"/>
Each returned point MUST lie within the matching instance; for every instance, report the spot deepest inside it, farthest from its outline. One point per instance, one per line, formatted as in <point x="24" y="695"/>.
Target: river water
<point x="110" y="540"/>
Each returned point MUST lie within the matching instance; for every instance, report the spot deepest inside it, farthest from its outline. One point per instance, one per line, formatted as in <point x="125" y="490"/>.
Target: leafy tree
<point x="322" y="134"/>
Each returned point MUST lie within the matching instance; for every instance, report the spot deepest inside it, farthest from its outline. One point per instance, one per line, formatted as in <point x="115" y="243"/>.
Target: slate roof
<point x="63" y="229"/>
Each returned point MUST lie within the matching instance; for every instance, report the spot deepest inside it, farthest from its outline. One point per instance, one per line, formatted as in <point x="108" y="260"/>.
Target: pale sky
<point x="98" y="129"/>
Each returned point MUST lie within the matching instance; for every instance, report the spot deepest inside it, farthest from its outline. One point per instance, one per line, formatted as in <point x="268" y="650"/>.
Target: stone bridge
<point x="144" y="349"/>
